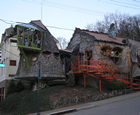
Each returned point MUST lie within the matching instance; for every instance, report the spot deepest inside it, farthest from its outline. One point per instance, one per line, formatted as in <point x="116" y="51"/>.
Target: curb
<point x="60" y="112"/>
<point x="90" y="106"/>
<point x="70" y="110"/>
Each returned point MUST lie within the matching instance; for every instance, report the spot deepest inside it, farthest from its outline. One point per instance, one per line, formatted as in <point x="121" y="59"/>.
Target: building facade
<point x="10" y="57"/>
<point x="37" y="45"/>
<point x="23" y="47"/>
<point x="88" y="46"/>
<point x="0" y="54"/>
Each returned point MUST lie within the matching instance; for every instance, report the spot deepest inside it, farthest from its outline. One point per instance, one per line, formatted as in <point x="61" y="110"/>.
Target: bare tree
<point x="125" y="25"/>
<point x="90" y="27"/>
<point x="103" y="26"/>
<point x="62" y="42"/>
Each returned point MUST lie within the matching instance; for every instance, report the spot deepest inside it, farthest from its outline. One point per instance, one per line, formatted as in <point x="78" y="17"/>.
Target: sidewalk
<point x="66" y="109"/>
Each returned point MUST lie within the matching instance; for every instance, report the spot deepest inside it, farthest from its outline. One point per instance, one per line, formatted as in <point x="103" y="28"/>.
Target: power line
<point x="136" y="1"/>
<point x="5" y="21"/>
<point x="10" y="52"/>
<point x="60" y="28"/>
<point x="118" y="4"/>
<point x="87" y="11"/>
<point x="125" y="3"/>
<point x="131" y="2"/>
<point x="22" y="22"/>
<point x="46" y="25"/>
<point x="68" y="7"/>
<point x="75" y="7"/>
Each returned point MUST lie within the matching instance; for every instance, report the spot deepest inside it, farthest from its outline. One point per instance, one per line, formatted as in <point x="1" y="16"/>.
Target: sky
<point x="61" y="17"/>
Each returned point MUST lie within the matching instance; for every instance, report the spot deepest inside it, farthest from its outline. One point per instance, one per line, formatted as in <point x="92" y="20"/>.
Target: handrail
<point x="100" y="67"/>
<point x="136" y="79"/>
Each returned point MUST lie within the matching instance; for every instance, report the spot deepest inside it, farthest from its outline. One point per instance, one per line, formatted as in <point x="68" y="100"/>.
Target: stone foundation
<point x="87" y="98"/>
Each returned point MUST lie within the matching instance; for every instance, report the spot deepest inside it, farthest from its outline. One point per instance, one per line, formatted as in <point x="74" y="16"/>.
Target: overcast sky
<point x="66" y="14"/>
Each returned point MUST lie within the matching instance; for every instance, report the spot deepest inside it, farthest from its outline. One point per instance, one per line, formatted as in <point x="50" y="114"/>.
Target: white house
<point x="0" y="55"/>
<point x="10" y="57"/>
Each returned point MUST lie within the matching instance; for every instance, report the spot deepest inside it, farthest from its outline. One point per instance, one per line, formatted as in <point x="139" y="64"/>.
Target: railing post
<point x="100" y="85"/>
<point x="71" y="66"/>
<point x="84" y="80"/>
<point x="78" y="63"/>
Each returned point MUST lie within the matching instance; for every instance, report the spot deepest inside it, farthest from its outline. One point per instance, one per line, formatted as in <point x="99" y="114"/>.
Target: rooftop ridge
<point x="86" y="30"/>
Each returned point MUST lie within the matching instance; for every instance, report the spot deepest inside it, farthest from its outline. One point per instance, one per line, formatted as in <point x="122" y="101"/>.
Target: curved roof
<point x="104" y="37"/>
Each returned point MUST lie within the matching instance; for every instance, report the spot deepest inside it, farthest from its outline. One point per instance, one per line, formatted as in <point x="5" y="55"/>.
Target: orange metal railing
<point x="103" y="72"/>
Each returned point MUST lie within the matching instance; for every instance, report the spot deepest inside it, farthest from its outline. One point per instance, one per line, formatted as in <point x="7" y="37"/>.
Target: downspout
<point x="26" y="61"/>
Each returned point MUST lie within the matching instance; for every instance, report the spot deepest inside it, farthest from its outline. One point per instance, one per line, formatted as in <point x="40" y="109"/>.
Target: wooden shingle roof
<point x="48" y="43"/>
<point x="102" y="36"/>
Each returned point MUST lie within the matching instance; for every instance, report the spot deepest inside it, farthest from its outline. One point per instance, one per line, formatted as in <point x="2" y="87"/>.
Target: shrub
<point x="117" y="85"/>
<point x="122" y="85"/>
<point x="112" y="85"/>
<point x="19" y="86"/>
<point x="11" y="88"/>
<point x="71" y="79"/>
<point x="32" y="83"/>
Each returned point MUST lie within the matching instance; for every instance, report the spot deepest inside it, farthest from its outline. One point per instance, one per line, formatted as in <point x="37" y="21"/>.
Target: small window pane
<point x="13" y="62"/>
<point x="13" y="43"/>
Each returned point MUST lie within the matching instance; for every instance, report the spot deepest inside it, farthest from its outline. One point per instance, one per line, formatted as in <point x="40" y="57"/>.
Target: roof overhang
<point x="28" y="25"/>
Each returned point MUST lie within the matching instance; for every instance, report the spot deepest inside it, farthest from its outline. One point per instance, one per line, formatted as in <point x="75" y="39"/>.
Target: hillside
<point x="50" y="98"/>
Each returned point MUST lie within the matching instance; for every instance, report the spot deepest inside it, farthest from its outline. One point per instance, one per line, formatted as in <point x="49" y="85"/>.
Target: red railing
<point x="102" y="71"/>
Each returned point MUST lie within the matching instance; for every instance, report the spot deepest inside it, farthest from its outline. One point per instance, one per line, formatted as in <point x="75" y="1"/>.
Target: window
<point x="138" y="59"/>
<point x="13" y="62"/>
<point x="34" y="58"/>
<point x="88" y="54"/>
<point x="47" y="53"/>
<point x="116" y="60"/>
<point x="13" y="43"/>
<point x="56" y="55"/>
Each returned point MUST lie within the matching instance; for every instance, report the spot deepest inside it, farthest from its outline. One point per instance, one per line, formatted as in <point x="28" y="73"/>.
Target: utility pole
<point x="41" y="10"/>
<point x="39" y="77"/>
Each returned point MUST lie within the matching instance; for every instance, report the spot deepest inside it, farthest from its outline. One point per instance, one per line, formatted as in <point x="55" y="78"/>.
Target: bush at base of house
<point x="117" y="85"/>
<point x="71" y="79"/>
<point x="12" y="88"/>
<point x="19" y="86"/>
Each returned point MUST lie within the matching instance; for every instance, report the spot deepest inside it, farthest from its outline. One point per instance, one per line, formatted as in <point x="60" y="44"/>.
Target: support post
<point x="84" y="80"/>
<point x="38" y="86"/>
<point x="100" y="85"/>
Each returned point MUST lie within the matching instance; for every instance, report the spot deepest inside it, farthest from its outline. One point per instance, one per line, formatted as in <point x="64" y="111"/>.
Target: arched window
<point x="115" y="54"/>
<point x="47" y="53"/>
<point x="56" y="55"/>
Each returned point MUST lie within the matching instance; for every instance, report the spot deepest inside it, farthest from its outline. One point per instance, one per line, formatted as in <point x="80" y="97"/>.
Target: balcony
<point x="29" y="36"/>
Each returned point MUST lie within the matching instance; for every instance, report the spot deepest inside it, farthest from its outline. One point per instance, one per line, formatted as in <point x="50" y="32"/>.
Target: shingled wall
<point x="48" y="56"/>
<point x="90" y="43"/>
<point x="97" y="54"/>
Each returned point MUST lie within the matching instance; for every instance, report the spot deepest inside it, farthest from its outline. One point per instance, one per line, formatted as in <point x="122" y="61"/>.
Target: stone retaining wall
<point x="88" y="98"/>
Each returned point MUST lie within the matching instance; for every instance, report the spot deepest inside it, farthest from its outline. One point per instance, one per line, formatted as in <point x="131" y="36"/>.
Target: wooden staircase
<point x="103" y="72"/>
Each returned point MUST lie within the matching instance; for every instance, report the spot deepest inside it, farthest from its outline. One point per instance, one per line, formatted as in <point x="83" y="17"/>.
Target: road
<point x="121" y="105"/>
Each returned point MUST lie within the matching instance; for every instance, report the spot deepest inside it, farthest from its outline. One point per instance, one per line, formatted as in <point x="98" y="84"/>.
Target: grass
<point x="27" y="101"/>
